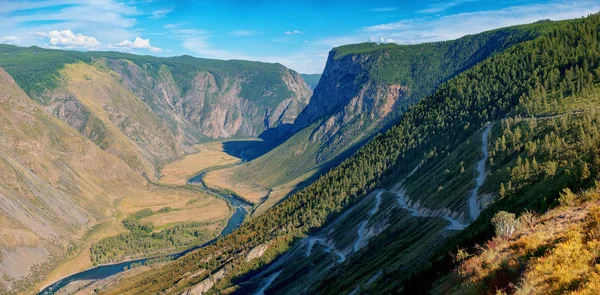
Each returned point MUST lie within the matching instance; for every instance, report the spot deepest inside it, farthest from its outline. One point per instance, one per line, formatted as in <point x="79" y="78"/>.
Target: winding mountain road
<point x="474" y="209"/>
<point x="268" y="283"/>
<point x="363" y="224"/>
<point x="416" y="211"/>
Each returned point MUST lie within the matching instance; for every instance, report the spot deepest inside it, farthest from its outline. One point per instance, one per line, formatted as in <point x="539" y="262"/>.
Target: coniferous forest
<point x="540" y="94"/>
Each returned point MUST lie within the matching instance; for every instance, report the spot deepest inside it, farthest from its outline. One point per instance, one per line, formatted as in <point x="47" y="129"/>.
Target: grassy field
<point x="209" y="155"/>
<point x="224" y="178"/>
<point x="187" y="206"/>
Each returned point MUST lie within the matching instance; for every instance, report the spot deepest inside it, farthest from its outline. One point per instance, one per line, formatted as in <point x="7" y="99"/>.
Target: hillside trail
<point x="267" y="283"/>
<point x="474" y="209"/>
<point x="363" y="224"/>
<point x="472" y="205"/>
<point x="454" y="224"/>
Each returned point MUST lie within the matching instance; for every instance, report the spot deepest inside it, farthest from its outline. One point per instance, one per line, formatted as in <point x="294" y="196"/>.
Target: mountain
<point x="509" y="133"/>
<point x="59" y="193"/>
<point x="363" y="90"/>
<point x="148" y="110"/>
<point x="84" y="136"/>
<point x="311" y="79"/>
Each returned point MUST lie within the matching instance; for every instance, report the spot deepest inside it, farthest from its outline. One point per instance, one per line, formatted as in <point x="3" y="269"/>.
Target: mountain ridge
<point x="550" y="72"/>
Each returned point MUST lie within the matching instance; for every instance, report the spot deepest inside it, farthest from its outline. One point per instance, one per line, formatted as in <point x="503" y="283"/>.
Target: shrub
<point x="527" y="219"/>
<point x="567" y="198"/>
<point x="505" y="224"/>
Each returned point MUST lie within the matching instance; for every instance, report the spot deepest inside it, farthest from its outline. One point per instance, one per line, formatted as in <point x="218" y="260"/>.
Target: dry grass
<point x="224" y="178"/>
<point x="187" y="205"/>
<point x="211" y="210"/>
<point x="280" y="192"/>
<point x="58" y="181"/>
<point x="81" y="259"/>
<point x="556" y="254"/>
<point x="96" y="90"/>
<point x="209" y="155"/>
<point x="192" y="205"/>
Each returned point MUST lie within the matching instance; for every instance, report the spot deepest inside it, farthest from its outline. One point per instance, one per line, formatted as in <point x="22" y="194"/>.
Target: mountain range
<point x="459" y="167"/>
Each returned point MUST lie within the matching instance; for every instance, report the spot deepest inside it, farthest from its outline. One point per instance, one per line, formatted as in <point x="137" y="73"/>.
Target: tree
<point x="505" y="224"/>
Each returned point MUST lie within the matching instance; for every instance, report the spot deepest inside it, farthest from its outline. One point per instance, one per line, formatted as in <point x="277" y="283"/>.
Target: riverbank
<point x="240" y="209"/>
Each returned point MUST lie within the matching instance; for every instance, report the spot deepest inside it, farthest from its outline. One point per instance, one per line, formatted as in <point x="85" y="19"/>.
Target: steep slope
<point x="220" y="99"/>
<point x="543" y="146"/>
<point x="558" y="68"/>
<point x="55" y="185"/>
<point x="60" y="193"/>
<point x="363" y="90"/>
<point x="147" y="110"/>
<point x="553" y="253"/>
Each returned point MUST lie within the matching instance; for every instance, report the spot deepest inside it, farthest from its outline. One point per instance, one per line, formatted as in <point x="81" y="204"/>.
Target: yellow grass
<point x="252" y="191"/>
<point x="95" y="90"/>
<point x="557" y="254"/>
<point x="223" y="178"/>
<point x="210" y="210"/>
<point x="280" y="192"/>
<point x="209" y="155"/>
<point x="81" y="259"/>
<point x="195" y="206"/>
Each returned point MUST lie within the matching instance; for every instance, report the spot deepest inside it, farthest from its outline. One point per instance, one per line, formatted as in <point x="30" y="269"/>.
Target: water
<point x="104" y="271"/>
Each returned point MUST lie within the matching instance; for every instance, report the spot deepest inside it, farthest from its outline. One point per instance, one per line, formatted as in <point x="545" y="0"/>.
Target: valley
<point x="96" y="136"/>
<point x="510" y="133"/>
<point x="465" y="166"/>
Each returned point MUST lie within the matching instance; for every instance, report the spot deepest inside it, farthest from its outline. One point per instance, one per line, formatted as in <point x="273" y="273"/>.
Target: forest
<point x="562" y="62"/>
<point x="143" y="240"/>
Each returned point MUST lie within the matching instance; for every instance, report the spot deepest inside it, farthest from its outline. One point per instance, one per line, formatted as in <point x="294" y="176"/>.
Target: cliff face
<point x="148" y="111"/>
<point x="364" y="89"/>
<point x="214" y="105"/>
<point x="347" y="104"/>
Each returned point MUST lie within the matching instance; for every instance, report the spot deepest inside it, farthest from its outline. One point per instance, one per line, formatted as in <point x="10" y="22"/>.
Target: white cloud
<point x="68" y="39"/>
<point x="12" y="40"/>
<point x="160" y="13"/>
<point x="429" y="29"/>
<point x="442" y="6"/>
<point x="294" y="32"/>
<point x="388" y="27"/>
<point x="138" y="43"/>
<point x="108" y="21"/>
<point x="244" y="33"/>
<point x="381" y="40"/>
<point x="200" y="45"/>
<point x="382" y="9"/>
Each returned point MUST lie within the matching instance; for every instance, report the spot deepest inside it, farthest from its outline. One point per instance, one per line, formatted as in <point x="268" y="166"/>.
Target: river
<point x="107" y="270"/>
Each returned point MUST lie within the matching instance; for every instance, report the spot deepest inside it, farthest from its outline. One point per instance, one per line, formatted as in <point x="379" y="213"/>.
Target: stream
<point x="107" y="270"/>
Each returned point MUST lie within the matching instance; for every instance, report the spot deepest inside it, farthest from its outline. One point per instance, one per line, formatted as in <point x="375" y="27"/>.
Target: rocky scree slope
<point x="148" y="110"/>
<point x="55" y="185"/>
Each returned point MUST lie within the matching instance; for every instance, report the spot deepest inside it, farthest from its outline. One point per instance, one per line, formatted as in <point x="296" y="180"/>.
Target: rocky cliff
<point x="363" y="90"/>
<point x="148" y="110"/>
<point x="215" y="105"/>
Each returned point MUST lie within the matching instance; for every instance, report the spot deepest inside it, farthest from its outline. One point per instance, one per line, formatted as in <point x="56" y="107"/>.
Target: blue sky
<point x="298" y="34"/>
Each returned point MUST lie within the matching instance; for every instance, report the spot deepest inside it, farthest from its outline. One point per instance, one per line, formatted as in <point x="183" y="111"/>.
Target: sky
<point x="297" y="34"/>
